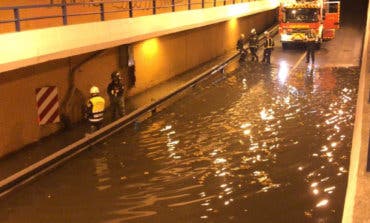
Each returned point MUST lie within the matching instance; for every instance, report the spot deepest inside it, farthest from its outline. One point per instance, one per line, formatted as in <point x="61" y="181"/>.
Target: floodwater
<point x="257" y="144"/>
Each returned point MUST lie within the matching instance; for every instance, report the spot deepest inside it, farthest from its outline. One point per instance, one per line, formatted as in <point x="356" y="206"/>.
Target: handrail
<point x="128" y="6"/>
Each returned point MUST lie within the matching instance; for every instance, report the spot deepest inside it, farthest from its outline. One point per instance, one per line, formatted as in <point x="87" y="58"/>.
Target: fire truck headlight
<point x="284" y="37"/>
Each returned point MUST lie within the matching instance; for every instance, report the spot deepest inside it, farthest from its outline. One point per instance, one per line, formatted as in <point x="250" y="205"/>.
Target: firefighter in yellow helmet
<point x="268" y="47"/>
<point x="95" y="107"/>
<point x="253" y="44"/>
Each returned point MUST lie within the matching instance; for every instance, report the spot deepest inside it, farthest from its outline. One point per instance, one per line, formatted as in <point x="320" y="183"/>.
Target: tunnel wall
<point x="156" y="60"/>
<point x="174" y="54"/>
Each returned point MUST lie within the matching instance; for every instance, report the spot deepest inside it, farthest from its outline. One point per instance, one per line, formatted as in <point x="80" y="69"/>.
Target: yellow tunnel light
<point x="233" y="23"/>
<point x="150" y="47"/>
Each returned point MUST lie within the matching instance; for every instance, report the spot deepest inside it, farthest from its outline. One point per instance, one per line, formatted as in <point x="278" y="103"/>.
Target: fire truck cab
<point x="299" y="17"/>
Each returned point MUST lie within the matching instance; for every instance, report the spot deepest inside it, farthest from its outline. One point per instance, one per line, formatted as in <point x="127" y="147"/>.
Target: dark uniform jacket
<point x="240" y="44"/>
<point x="311" y="43"/>
<point x="269" y="43"/>
<point x="115" y="89"/>
<point x="253" y="41"/>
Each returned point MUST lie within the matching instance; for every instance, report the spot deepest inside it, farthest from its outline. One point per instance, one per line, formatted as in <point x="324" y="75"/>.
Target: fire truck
<point x="299" y="17"/>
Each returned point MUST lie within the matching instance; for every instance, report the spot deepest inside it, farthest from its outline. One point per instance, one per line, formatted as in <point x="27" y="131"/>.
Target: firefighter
<point x="253" y="44"/>
<point x="95" y="109"/>
<point x="115" y="91"/>
<point x="268" y="47"/>
<point x="310" y="47"/>
<point x="241" y="49"/>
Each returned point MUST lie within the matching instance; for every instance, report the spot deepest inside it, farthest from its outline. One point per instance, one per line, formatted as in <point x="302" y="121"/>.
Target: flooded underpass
<point x="256" y="144"/>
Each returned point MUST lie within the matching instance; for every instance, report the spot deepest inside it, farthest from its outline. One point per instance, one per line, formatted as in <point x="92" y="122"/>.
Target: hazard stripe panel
<point x="47" y="105"/>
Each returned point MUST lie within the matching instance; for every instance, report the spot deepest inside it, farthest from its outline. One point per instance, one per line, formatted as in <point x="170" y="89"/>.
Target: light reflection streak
<point x="329" y="189"/>
<point x="246" y="125"/>
<point x="267" y="114"/>
<point x="102" y="172"/>
<point x="219" y="160"/>
<point x="283" y="71"/>
<point x="315" y="191"/>
<point x="322" y="203"/>
<point x="314" y="184"/>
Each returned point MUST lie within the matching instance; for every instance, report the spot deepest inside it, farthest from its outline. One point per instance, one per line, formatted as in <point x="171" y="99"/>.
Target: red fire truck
<point x="298" y="17"/>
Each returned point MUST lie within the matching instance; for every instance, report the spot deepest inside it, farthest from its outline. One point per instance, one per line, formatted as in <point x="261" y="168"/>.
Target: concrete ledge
<point x="357" y="201"/>
<point x="37" y="46"/>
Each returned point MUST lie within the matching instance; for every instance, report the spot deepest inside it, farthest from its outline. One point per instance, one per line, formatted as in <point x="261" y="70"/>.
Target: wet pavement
<point x="257" y="144"/>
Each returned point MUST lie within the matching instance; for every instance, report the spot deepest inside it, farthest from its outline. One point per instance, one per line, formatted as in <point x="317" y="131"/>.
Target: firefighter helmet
<point x="116" y="75"/>
<point x="94" y="90"/>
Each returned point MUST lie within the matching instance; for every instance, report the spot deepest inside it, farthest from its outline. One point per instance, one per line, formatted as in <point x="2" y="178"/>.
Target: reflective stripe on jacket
<point x="269" y="43"/>
<point x="97" y="105"/>
<point x="253" y="41"/>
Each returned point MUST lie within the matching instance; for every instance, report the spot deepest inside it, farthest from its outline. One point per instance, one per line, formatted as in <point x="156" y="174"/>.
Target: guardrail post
<point x="130" y="8"/>
<point x="189" y="4"/>
<point x="17" y="20"/>
<point x="64" y="13"/>
<point x="154" y="7"/>
<point x="173" y="5"/>
<point x="202" y="4"/>
<point x="102" y="18"/>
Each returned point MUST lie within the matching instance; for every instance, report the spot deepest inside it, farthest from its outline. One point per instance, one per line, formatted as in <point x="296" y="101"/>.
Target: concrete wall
<point x="156" y="60"/>
<point x="18" y="116"/>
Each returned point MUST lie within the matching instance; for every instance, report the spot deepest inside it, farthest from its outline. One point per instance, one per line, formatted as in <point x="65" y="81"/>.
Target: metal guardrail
<point x="119" y="6"/>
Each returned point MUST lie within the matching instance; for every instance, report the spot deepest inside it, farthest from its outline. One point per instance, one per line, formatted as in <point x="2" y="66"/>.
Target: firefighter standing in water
<point x="253" y="44"/>
<point x="94" y="110"/>
<point x="115" y="91"/>
<point x="310" y="47"/>
<point x="241" y="49"/>
<point x="269" y="46"/>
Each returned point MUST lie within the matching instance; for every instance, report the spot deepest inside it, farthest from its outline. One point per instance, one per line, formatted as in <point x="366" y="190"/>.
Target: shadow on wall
<point x="74" y="110"/>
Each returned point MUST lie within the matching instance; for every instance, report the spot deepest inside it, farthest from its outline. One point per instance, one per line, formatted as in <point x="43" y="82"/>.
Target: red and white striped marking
<point x="47" y="105"/>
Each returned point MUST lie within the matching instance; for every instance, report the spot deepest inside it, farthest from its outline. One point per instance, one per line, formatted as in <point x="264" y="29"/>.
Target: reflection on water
<point x="287" y="139"/>
<point x="274" y="149"/>
<point x="269" y="147"/>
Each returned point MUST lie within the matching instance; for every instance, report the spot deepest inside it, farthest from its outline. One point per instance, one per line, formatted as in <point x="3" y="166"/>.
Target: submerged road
<point x="256" y="144"/>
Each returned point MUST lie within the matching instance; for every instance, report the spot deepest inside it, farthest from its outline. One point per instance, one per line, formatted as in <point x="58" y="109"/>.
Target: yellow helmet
<point x="94" y="90"/>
